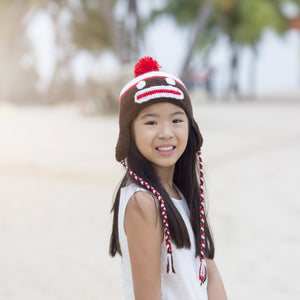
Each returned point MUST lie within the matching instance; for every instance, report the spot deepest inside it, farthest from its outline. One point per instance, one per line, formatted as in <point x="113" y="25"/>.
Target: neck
<point x="165" y="176"/>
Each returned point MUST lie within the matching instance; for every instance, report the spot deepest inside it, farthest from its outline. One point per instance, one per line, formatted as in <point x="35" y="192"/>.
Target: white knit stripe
<point x="146" y="76"/>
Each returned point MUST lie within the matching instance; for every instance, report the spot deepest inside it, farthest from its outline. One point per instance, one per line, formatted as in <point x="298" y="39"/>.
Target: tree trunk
<point x="114" y="30"/>
<point x="63" y="61"/>
<point x="204" y="12"/>
<point x="252" y="74"/>
<point x="234" y="66"/>
<point x="12" y="54"/>
<point x="134" y="29"/>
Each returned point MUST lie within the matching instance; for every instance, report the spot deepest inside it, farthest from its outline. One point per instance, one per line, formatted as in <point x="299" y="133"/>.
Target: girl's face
<point x="161" y="133"/>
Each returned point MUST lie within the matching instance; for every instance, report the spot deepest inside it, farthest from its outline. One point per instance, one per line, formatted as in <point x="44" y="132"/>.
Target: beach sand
<point x="58" y="176"/>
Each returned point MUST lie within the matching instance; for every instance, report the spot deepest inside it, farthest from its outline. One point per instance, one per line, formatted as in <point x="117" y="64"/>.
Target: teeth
<point x="165" y="148"/>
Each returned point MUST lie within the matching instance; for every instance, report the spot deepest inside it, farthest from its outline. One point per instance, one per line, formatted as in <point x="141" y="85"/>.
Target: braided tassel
<point x="202" y="269"/>
<point x="170" y="266"/>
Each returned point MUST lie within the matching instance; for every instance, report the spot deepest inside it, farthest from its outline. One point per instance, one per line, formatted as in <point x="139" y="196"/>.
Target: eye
<point x="170" y="81"/>
<point x="141" y="84"/>
<point x="177" y="121"/>
<point x="151" y="123"/>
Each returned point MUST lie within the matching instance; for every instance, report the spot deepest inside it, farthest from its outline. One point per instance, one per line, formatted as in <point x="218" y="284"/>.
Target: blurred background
<point x="59" y="51"/>
<point x="63" y="64"/>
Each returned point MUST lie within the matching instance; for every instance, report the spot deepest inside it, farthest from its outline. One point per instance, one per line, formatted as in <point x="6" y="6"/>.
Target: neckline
<point x="178" y="200"/>
<point x="179" y="193"/>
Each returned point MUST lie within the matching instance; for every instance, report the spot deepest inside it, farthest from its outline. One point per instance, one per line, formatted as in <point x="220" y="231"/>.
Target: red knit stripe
<point x="159" y="91"/>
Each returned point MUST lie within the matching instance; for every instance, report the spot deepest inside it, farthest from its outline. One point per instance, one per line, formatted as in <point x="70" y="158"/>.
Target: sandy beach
<point x="58" y="176"/>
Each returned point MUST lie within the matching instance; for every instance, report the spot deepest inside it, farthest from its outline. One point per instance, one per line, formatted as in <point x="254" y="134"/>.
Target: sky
<point x="277" y="66"/>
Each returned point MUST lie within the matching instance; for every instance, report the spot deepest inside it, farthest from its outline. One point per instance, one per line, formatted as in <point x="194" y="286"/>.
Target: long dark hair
<point x="186" y="178"/>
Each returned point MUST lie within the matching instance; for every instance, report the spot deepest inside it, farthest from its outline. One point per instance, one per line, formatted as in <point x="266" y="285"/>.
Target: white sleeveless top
<point x="182" y="285"/>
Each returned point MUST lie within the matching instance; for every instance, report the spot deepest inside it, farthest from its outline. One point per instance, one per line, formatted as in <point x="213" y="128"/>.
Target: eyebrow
<point x="148" y="115"/>
<point x="156" y="115"/>
<point x="178" y="113"/>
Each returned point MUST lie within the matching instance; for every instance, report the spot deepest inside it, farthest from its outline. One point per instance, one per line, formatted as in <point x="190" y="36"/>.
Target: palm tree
<point x="96" y="28"/>
<point x="193" y="14"/>
<point x="244" y="22"/>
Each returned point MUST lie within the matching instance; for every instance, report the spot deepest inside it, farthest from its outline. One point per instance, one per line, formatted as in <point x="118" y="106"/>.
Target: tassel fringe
<point x="202" y="272"/>
<point x="170" y="265"/>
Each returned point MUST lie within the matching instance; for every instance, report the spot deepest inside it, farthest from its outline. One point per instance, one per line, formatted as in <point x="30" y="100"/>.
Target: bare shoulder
<point x="142" y="213"/>
<point x="143" y="203"/>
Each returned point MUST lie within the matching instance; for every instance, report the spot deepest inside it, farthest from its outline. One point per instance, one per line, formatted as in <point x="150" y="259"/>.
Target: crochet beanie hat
<point x="148" y="87"/>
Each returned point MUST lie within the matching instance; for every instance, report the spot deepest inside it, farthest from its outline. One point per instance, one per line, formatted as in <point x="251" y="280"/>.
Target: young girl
<point x="159" y="224"/>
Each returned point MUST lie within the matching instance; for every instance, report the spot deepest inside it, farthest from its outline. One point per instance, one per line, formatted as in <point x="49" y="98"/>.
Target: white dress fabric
<point x="182" y="285"/>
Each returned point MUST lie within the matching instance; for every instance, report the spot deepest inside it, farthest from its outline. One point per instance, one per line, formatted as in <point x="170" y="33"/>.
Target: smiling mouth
<point x="165" y="149"/>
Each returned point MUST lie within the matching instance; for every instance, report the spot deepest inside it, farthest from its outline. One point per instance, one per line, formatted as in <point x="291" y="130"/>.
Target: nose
<point x="165" y="131"/>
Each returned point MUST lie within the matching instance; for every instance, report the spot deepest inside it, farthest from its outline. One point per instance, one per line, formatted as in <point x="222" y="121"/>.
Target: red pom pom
<point x="145" y="65"/>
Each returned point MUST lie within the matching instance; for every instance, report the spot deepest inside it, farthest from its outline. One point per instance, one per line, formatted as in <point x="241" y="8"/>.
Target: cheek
<point x="138" y="138"/>
<point x="141" y="136"/>
<point x="184" y="133"/>
<point x="184" y="136"/>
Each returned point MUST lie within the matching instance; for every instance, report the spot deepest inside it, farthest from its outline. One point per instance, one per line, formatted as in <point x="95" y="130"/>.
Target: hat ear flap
<point x="123" y="144"/>
<point x="198" y="134"/>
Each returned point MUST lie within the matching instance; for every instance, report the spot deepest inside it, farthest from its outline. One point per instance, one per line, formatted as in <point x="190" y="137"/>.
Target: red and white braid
<point x="202" y="269"/>
<point x="170" y="266"/>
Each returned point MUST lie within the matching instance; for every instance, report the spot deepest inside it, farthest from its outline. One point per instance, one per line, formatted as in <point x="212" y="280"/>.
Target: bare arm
<point x="144" y="236"/>
<point x="215" y="287"/>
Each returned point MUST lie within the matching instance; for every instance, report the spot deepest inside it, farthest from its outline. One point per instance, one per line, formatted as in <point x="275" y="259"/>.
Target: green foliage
<point x="183" y="11"/>
<point x="96" y="27"/>
<point x="297" y="2"/>
<point x="245" y="22"/>
<point x="89" y="29"/>
<point x="242" y="20"/>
